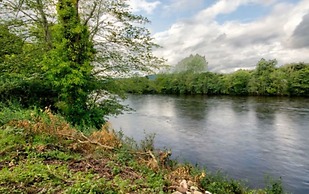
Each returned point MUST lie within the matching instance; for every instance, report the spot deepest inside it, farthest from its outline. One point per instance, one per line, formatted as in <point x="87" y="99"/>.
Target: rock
<point x="184" y="184"/>
<point x="190" y="183"/>
<point x="176" y="192"/>
<point x="193" y="188"/>
<point x="181" y="190"/>
<point x="197" y="192"/>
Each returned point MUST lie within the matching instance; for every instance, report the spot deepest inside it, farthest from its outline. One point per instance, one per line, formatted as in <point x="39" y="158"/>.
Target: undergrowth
<point x="41" y="153"/>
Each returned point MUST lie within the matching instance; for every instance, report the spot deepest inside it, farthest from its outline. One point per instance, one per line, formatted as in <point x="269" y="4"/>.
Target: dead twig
<point x="94" y="142"/>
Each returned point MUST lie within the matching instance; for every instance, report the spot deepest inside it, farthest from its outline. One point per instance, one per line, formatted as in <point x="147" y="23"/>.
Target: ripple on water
<point x="244" y="137"/>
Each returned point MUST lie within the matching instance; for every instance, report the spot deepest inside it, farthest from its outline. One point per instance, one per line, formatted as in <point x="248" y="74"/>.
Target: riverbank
<point x="41" y="153"/>
<point x="264" y="80"/>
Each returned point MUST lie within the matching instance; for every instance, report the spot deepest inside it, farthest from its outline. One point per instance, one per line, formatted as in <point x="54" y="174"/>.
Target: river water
<point x="247" y="138"/>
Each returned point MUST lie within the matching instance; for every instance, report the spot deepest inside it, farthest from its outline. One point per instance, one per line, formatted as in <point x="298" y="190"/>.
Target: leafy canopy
<point x="193" y="63"/>
<point x="72" y="52"/>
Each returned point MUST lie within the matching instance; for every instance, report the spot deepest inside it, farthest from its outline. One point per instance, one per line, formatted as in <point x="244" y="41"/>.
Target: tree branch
<point x="47" y="33"/>
<point x="91" y="13"/>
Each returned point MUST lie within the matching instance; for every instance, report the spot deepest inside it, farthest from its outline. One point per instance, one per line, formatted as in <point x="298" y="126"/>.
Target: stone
<point x="193" y="188"/>
<point x="176" y="192"/>
<point x="197" y="192"/>
<point x="184" y="184"/>
<point x="181" y="190"/>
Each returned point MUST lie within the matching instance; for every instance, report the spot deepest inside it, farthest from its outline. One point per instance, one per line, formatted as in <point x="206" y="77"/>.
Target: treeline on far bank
<point x="266" y="79"/>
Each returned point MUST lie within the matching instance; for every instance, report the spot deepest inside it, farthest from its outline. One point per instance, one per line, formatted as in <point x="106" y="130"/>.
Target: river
<point x="247" y="138"/>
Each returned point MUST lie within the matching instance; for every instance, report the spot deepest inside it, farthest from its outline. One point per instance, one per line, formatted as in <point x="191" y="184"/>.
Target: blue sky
<point x="231" y="34"/>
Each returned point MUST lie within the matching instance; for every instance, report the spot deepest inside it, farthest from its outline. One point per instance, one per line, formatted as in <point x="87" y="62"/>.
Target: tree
<point x="298" y="79"/>
<point x="68" y="64"/>
<point x="10" y="43"/>
<point x="279" y="83"/>
<point x="21" y="77"/>
<point x="237" y="82"/>
<point x="193" y="63"/>
<point x="84" y="44"/>
<point x="260" y="82"/>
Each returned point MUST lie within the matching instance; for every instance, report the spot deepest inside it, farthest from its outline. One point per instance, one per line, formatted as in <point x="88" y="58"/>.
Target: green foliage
<point x="22" y="79"/>
<point x="13" y="111"/>
<point x="238" y="82"/>
<point x="68" y="65"/>
<point x="137" y="85"/>
<point x="266" y="79"/>
<point x="35" y="157"/>
<point x="31" y="172"/>
<point x="56" y="154"/>
<point x="274" y="186"/>
<point x="220" y="184"/>
<point x="11" y="44"/>
<point x="66" y="54"/>
<point x="179" y="83"/>
<point x="11" y="144"/>
<point x="260" y="83"/>
<point x="193" y="63"/>
<point x="89" y="184"/>
<point x="298" y="84"/>
<point x="148" y="142"/>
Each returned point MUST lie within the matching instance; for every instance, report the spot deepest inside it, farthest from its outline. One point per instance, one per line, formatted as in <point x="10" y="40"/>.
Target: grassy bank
<point x="41" y="153"/>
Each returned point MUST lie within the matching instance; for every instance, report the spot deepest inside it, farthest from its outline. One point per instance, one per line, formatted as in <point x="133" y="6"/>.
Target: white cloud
<point x="233" y="45"/>
<point x="228" y="6"/>
<point x="265" y="2"/>
<point x="221" y="7"/>
<point x="143" y="5"/>
<point x="182" y="5"/>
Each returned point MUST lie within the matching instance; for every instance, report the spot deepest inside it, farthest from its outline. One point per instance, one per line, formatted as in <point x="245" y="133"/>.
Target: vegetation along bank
<point x="265" y="80"/>
<point x="40" y="152"/>
<point x="58" y="64"/>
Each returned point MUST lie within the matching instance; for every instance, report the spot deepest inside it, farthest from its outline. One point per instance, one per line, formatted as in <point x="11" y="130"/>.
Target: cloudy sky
<point x="232" y="34"/>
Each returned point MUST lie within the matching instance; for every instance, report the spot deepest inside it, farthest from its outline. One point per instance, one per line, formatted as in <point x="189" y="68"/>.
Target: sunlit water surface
<point x="244" y="137"/>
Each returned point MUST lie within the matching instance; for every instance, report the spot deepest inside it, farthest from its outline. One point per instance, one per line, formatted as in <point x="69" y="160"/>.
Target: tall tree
<point x="10" y="43"/>
<point x="84" y="44"/>
<point x="193" y="63"/>
<point x="237" y="82"/>
<point x="260" y="82"/>
<point x="68" y="65"/>
<point x="298" y="78"/>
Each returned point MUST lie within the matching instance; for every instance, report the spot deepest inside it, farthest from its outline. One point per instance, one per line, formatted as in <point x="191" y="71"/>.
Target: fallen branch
<point x="94" y="142"/>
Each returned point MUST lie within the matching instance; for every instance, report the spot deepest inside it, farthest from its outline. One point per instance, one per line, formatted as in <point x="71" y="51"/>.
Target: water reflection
<point x="190" y="108"/>
<point x="246" y="137"/>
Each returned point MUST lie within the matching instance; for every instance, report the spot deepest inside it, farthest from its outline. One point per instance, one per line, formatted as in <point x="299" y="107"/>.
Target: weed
<point x="41" y="153"/>
<point x="57" y="155"/>
<point x="32" y="174"/>
<point x="148" y="143"/>
<point x="13" y="112"/>
<point x="218" y="183"/>
<point x="88" y="183"/>
<point x="105" y="136"/>
<point x="274" y="186"/>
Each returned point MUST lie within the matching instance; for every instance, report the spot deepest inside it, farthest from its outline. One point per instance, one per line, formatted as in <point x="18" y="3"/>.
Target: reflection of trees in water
<point x="297" y="108"/>
<point x="265" y="109"/>
<point x="136" y="101"/>
<point x="240" y="105"/>
<point x="191" y="107"/>
<point x="248" y="133"/>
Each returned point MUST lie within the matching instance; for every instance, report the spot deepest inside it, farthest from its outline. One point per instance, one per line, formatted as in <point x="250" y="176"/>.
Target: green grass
<point x="41" y="153"/>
